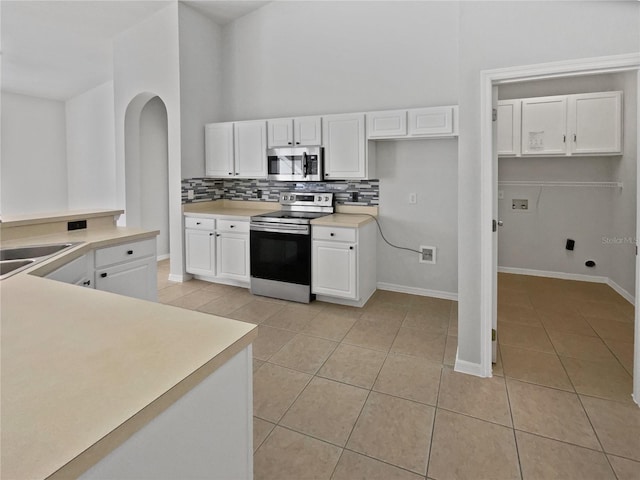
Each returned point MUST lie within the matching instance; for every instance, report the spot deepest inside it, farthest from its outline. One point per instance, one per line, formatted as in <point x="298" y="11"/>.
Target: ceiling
<point x="59" y="49"/>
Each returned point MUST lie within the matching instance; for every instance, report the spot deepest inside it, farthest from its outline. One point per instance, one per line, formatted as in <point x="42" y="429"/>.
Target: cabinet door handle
<point x="230" y="173"/>
<point x="351" y="248"/>
<point x="88" y="282"/>
<point x="332" y="234"/>
<point x="217" y="235"/>
<point x="211" y="234"/>
<point x="575" y="137"/>
<point x="231" y="226"/>
<point x="197" y="223"/>
<point x="289" y="143"/>
<point x="237" y="174"/>
<point x="129" y="252"/>
<point x="103" y="275"/>
<point x="564" y="139"/>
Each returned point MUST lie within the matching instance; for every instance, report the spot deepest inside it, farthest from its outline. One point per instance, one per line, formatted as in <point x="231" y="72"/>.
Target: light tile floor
<point x="346" y="393"/>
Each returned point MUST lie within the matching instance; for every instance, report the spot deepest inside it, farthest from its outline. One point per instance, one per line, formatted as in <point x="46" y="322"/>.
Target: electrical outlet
<point x="427" y="254"/>
<point x="190" y="195"/>
<point x="519" y="204"/>
<point x="413" y="198"/>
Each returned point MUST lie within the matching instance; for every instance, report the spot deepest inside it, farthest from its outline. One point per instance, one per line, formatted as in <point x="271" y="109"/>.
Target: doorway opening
<point x="147" y="168"/>
<point x="491" y="80"/>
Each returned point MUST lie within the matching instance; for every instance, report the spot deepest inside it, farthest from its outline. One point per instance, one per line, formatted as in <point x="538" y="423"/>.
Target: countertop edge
<point x="57" y="217"/>
<point x="124" y="431"/>
<point x="353" y="220"/>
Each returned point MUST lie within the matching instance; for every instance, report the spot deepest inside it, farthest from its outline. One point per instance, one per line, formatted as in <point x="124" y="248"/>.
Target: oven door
<point x="281" y="256"/>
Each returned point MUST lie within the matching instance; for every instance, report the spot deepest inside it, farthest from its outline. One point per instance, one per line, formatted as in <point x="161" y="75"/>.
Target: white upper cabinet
<point x="391" y="123"/>
<point x="345" y="146"/>
<point x="434" y="121"/>
<point x="250" y="143"/>
<point x="509" y="127"/>
<point x="218" y="138"/>
<point x="544" y="126"/>
<point x="595" y="123"/>
<point x="562" y="125"/>
<point x="294" y="132"/>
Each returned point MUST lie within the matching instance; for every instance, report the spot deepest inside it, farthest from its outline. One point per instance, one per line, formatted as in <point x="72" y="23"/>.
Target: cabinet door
<point x="509" y="127"/>
<point x="308" y="131"/>
<point x="435" y="121"/>
<point x="387" y="124"/>
<point x="333" y="268"/>
<point x="280" y="132"/>
<point x="233" y="256"/>
<point x="134" y="279"/>
<point x="544" y="121"/>
<point x="200" y="252"/>
<point x="344" y="145"/>
<point x="595" y="123"/>
<point x="218" y="141"/>
<point x="250" y="140"/>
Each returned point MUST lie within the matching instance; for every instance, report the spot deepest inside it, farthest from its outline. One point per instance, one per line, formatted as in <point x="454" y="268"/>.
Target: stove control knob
<point x="326" y="199"/>
<point x="318" y="199"/>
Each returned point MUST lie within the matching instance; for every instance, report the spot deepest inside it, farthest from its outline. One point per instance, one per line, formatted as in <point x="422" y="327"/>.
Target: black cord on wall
<point x="387" y="241"/>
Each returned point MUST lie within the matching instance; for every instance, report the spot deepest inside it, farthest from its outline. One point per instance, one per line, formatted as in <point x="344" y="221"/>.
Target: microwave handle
<point x="305" y="164"/>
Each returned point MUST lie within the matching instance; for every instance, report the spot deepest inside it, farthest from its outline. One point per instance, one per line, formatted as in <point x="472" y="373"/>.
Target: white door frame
<point x="489" y="261"/>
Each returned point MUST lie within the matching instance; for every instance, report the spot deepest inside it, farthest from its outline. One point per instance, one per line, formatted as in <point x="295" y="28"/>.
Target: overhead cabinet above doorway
<point x="561" y="125"/>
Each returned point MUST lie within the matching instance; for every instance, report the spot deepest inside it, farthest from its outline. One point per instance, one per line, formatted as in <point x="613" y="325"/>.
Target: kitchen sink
<point x="16" y="259"/>
<point x="11" y="266"/>
<point x="33" y="251"/>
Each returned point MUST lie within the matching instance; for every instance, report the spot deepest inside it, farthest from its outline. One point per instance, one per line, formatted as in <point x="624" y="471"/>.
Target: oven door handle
<point x="294" y="229"/>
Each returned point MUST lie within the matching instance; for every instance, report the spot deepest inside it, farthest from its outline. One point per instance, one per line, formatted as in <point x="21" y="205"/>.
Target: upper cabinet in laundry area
<point x="561" y="125"/>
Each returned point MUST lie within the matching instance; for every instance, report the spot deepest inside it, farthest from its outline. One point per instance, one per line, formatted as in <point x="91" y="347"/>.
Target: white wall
<point x="503" y="34"/>
<point x="294" y="58"/>
<point x="428" y="168"/>
<point x="33" y="163"/>
<point x="154" y="181"/>
<point x="624" y="203"/>
<point x="146" y="64"/>
<point x="91" y="156"/>
<point x="200" y="84"/>
<point x="299" y="58"/>
<point x="535" y="239"/>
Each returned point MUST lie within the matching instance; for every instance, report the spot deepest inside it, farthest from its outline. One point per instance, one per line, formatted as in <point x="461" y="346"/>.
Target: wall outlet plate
<point x="428" y="254"/>
<point x="190" y="194"/>
<point x="413" y="198"/>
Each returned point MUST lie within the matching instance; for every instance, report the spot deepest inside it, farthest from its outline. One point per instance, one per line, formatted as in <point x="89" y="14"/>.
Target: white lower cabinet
<point x="128" y="269"/>
<point x="76" y="272"/>
<point x="218" y="249"/>
<point x="343" y="263"/>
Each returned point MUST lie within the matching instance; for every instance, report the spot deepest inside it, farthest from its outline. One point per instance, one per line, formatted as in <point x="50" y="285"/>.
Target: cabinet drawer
<point x="339" y="234"/>
<point x="125" y="252"/>
<point x="200" y="223"/>
<point x="233" y="226"/>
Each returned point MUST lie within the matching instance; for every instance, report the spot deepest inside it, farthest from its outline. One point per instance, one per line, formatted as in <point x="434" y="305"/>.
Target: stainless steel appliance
<point x="281" y="246"/>
<point x="295" y="164"/>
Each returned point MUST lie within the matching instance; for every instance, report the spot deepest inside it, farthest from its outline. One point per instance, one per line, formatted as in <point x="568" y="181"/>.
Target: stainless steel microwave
<point x="297" y="164"/>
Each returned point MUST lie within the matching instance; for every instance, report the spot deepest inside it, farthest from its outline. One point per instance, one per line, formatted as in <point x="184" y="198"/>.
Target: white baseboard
<point x="621" y="291"/>
<point x="571" y="276"/>
<point x="561" y="275"/>
<point x="417" y="291"/>
<point x="469" y="368"/>
<point x="163" y="257"/>
<point x="180" y="278"/>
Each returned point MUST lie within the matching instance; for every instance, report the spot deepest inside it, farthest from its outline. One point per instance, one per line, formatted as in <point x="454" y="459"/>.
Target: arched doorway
<point x="146" y="167"/>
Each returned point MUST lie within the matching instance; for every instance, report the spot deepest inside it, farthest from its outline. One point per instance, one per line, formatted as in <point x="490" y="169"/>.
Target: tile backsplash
<point x="354" y="192"/>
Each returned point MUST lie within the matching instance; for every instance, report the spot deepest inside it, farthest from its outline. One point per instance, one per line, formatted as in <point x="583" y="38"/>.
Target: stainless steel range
<point x="281" y="246"/>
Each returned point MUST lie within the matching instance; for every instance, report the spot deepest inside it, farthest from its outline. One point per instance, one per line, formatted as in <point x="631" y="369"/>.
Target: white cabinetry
<point x="77" y="272"/>
<point x="562" y="125"/>
<point x="544" y="126"/>
<point x="300" y="131"/>
<point x="346" y="151"/>
<point x="218" y="138"/>
<point x="595" y="123"/>
<point x="200" y="244"/>
<point x="392" y="123"/>
<point x="128" y="269"/>
<point x="217" y="249"/>
<point x="343" y="263"/>
<point x="236" y="149"/>
<point x="433" y="121"/>
<point x="509" y="127"/>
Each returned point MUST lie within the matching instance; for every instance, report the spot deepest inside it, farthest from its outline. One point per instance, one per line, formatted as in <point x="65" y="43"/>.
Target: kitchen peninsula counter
<point x="83" y="370"/>
<point x="234" y="209"/>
